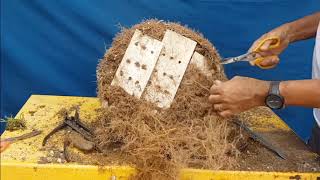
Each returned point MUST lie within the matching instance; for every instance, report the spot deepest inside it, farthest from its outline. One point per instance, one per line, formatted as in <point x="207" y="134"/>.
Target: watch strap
<point x="274" y="88"/>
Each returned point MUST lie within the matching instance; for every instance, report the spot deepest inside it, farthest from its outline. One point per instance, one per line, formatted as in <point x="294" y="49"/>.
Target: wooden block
<point x="170" y="68"/>
<point x="137" y="64"/>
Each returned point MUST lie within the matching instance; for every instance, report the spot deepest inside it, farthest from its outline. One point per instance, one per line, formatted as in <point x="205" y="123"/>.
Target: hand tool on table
<point x="75" y="124"/>
<point x="5" y="143"/>
<point x="254" y="56"/>
<point x="260" y="138"/>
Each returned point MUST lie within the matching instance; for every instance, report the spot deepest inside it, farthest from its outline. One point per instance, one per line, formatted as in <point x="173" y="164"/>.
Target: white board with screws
<point x="137" y="64"/>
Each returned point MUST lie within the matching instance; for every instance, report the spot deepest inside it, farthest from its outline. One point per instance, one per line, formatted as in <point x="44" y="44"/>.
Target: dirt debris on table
<point x="258" y="158"/>
<point x="53" y="156"/>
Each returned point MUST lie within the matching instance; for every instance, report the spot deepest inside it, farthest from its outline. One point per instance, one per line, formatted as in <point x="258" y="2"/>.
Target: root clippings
<point x="14" y="124"/>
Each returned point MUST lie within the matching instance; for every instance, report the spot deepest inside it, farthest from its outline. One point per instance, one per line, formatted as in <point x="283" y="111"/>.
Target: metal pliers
<point x="75" y="124"/>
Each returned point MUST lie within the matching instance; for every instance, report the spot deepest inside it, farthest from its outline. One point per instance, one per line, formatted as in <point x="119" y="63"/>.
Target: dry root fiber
<point x="159" y="142"/>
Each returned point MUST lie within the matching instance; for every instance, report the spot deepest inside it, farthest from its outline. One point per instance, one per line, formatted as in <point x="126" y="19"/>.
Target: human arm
<point x="301" y="92"/>
<point x="303" y="28"/>
<point x="300" y="29"/>
<point x="242" y="93"/>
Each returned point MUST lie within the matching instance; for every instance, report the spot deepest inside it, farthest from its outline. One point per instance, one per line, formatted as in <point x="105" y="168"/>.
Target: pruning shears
<point x="254" y="56"/>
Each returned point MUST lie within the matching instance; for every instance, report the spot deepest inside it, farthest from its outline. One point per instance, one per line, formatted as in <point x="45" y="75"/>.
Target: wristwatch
<point x="274" y="100"/>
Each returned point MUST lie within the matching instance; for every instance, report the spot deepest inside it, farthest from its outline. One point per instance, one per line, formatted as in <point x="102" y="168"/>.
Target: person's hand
<point x="272" y="55"/>
<point x="237" y="95"/>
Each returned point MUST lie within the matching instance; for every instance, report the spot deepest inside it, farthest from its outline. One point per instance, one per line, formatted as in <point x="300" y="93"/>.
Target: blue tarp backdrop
<point x="53" y="47"/>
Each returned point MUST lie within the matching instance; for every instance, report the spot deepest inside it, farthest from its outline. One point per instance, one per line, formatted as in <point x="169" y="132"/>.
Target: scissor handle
<point x="259" y="60"/>
<point x="275" y="43"/>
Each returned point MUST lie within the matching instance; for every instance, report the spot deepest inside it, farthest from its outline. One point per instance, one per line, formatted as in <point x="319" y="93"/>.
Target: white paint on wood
<point x="170" y="68"/>
<point x="201" y="63"/>
<point x="137" y="64"/>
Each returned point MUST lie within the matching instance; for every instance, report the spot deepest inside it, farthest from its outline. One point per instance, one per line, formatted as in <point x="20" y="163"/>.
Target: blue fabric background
<point x="53" y="47"/>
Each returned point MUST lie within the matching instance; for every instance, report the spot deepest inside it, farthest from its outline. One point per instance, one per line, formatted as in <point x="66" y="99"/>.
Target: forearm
<point x="301" y="92"/>
<point x="303" y="28"/>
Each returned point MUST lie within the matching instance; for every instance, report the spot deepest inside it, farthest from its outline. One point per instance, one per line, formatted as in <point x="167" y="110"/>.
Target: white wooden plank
<point x="201" y="63"/>
<point x="137" y="64"/>
<point x="170" y="68"/>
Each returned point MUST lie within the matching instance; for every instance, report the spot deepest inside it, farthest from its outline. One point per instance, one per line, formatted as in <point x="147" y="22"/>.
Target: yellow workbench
<point x="20" y="161"/>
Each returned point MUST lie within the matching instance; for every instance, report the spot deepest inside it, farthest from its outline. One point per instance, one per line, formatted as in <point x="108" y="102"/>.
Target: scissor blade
<point x="243" y="57"/>
<point x="227" y="61"/>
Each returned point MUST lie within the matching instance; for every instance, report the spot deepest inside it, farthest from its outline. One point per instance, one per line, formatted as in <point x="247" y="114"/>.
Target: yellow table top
<point x="40" y="112"/>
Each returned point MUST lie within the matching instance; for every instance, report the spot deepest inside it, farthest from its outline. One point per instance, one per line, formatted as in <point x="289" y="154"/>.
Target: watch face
<point x="274" y="102"/>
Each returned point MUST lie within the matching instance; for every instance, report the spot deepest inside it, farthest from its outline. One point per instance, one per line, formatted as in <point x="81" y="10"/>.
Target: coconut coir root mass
<point x="159" y="142"/>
